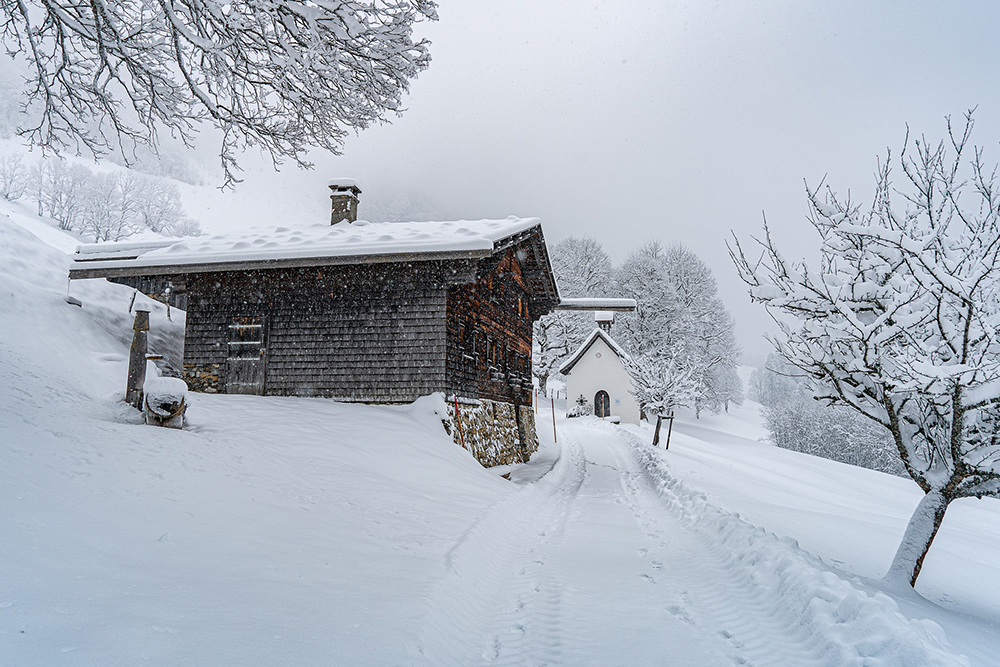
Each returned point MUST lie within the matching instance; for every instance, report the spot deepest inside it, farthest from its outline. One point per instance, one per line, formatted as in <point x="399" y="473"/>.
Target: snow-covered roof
<point x="344" y="183"/>
<point x="591" y="339"/>
<point x="599" y="303"/>
<point x="274" y="247"/>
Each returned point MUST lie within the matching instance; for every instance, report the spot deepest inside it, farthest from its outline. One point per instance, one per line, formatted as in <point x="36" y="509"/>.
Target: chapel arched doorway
<point x="602" y="404"/>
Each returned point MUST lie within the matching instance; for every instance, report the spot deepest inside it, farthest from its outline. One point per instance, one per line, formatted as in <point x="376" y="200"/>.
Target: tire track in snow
<point x="702" y="589"/>
<point x="498" y="604"/>
<point x="773" y="603"/>
<point x="608" y="559"/>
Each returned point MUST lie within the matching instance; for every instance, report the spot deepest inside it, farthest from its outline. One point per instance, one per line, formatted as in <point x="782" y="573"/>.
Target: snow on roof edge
<point x="597" y="303"/>
<point x="344" y="182"/>
<point x="594" y="335"/>
<point x="328" y="241"/>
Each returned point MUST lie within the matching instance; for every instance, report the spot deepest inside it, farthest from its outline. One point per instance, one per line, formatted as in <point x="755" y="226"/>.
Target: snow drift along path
<point x="609" y="559"/>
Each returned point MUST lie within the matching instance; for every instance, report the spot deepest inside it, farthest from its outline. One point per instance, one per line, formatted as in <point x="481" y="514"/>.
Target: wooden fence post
<point x="670" y="429"/>
<point x="137" y="358"/>
<point x="554" y="437"/>
<point x="458" y="419"/>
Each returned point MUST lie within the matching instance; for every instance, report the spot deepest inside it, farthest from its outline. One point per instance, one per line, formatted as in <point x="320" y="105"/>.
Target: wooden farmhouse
<point x="596" y="373"/>
<point x="378" y="313"/>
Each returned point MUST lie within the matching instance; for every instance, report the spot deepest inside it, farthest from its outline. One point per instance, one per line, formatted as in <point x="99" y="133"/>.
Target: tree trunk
<point x="917" y="539"/>
<point x="656" y="433"/>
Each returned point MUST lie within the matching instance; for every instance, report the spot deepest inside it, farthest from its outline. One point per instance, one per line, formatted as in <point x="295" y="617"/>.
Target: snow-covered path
<point x="523" y="584"/>
<point x="591" y="565"/>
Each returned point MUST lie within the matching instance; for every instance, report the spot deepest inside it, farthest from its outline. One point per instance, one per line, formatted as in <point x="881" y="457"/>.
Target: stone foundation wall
<point x="496" y="433"/>
<point x="202" y="377"/>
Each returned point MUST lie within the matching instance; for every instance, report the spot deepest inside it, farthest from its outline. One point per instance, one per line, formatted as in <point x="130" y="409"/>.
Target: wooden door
<point x="247" y="356"/>
<point x="602" y="404"/>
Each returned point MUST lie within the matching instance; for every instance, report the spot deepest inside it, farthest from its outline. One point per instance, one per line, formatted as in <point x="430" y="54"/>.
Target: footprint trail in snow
<point x="607" y="560"/>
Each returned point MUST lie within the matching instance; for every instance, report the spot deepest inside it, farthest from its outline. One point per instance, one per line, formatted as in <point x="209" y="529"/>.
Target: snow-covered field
<point x="303" y="531"/>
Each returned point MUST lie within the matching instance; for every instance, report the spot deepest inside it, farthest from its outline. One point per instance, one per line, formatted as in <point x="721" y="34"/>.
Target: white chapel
<point x="597" y="372"/>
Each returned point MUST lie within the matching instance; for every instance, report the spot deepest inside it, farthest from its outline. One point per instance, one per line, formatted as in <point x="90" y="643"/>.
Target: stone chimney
<point x="344" y="195"/>
<point x="604" y="320"/>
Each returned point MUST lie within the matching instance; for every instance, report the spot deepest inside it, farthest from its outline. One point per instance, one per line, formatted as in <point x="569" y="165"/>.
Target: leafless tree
<point x="679" y="314"/>
<point x="109" y="206"/>
<point x="14" y="176"/>
<point x="900" y="320"/>
<point x="662" y="382"/>
<point x="281" y="74"/>
<point x="62" y="191"/>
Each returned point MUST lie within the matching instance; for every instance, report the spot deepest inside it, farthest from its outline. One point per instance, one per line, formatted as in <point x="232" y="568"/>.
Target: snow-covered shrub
<point x="581" y="409"/>
<point x="796" y="421"/>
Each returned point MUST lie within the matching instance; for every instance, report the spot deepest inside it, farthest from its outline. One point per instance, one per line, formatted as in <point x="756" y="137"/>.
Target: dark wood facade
<point x="489" y="326"/>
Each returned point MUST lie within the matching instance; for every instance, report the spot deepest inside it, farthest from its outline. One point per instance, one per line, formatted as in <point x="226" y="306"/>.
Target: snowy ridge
<point x="843" y="625"/>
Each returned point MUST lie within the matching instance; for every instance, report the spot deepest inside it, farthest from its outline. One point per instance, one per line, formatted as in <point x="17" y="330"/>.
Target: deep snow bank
<point x="270" y="531"/>
<point x="857" y="628"/>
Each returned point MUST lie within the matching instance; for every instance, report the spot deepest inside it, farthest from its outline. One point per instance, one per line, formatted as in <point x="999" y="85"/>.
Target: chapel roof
<point x="596" y="334"/>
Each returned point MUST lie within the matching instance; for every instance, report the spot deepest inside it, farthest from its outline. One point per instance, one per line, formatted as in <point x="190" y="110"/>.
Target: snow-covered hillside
<point x="303" y="531"/>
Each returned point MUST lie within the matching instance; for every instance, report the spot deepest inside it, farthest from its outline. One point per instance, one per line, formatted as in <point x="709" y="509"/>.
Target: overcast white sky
<point x="634" y="120"/>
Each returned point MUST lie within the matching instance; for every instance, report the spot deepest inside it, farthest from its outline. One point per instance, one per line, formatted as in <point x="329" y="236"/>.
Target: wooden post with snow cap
<point x="137" y="357"/>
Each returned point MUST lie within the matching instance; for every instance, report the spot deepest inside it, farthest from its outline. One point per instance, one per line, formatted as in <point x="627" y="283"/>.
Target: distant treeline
<point x="104" y="205"/>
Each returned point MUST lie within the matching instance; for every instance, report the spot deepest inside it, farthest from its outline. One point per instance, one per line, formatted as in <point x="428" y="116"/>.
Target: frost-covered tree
<point x="678" y="314"/>
<point x="110" y="206"/>
<point x="796" y="421"/>
<point x="899" y="320"/>
<point x="725" y="386"/>
<point x="14" y="176"/>
<point x="661" y="382"/>
<point x="656" y="320"/>
<point x="62" y="192"/>
<point x="107" y="206"/>
<point x="158" y="204"/>
<point x="284" y="75"/>
<point x="582" y="268"/>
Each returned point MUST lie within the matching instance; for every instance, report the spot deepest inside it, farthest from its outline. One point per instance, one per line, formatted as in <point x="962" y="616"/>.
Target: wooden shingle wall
<point x="489" y="334"/>
<point x="364" y="333"/>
